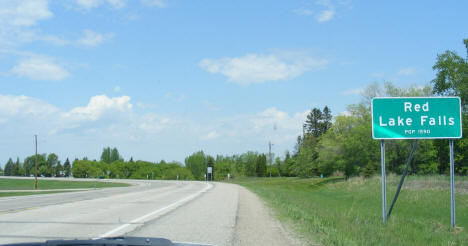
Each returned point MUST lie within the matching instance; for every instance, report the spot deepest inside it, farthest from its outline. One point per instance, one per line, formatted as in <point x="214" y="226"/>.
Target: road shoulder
<point x="256" y="225"/>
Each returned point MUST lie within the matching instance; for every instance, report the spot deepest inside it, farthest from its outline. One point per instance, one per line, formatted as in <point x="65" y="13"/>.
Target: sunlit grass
<point x="348" y="212"/>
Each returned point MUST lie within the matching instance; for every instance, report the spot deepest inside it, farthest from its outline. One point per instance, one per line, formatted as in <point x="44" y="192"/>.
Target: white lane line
<point x="172" y="205"/>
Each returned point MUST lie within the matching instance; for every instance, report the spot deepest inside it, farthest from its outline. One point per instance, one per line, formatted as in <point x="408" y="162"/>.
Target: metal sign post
<point x="416" y="118"/>
<point x="452" y="185"/>
<point x="384" y="185"/>
<point x="209" y="171"/>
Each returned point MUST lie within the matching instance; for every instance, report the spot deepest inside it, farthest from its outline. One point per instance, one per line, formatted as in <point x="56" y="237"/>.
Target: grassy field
<point x="28" y="184"/>
<point x="13" y="193"/>
<point x="334" y="211"/>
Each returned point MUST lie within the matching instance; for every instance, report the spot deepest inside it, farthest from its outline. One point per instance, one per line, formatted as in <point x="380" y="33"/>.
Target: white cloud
<point x="155" y="3"/>
<point x="17" y="18"/>
<point x="98" y="106"/>
<point x="272" y="118"/>
<point x="24" y="35"/>
<point x="258" y="68"/>
<point x="92" y="38"/>
<point x="355" y="91"/>
<point x="38" y="68"/>
<point x="89" y="38"/>
<point x="22" y="105"/>
<point x="117" y="3"/>
<point x="407" y="71"/>
<point x="210" y="135"/>
<point x="24" y="12"/>
<point x="143" y="105"/>
<point x="303" y="11"/>
<point x="149" y="135"/>
<point x="345" y="113"/>
<point x="324" y="10"/>
<point x="89" y="4"/>
<point x="152" y="123"/>
<point x="53" y="39"/>
<point x="325" y="15"/>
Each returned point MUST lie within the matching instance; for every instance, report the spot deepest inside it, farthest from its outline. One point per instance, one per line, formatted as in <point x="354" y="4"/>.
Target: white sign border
<point x="372" y="119"/>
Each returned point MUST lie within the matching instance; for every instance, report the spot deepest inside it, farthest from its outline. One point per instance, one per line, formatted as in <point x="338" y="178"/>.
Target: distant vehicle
<point x="114" y="241"/>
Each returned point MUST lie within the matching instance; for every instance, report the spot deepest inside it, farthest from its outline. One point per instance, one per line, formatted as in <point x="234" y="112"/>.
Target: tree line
<point x="327" y="146"/>
<point x="48" y="165"/>
<point x="346" y="147"/>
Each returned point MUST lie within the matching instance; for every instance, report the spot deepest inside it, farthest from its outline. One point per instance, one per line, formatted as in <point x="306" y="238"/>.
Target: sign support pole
<point x="384" y="188"/>
<point x="35" y="165"/>
<point x="452" y="184"/>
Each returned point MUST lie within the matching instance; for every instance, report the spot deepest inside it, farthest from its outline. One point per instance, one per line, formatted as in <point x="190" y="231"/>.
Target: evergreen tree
<point x="368" y="170"/>
<point x="314" y="122"/>
<point x="298" y="145"/>
<point x="114" y="156"/>
<point x="106" y="155"/>
<point x="9" y="167"/>
<point x="27" y="165"/>
<point x="326" y="120"/>
<point x="58" y="169"/>
<point x="16" y="168"/>
<point x="52" y="161"/>
<point x="318" y="122"/>
<point x="67" y="168"/>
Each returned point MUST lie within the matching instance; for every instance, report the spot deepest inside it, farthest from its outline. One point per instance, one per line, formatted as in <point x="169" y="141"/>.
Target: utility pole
<point x="269" y="154"/>
<point x="35" y="166"/>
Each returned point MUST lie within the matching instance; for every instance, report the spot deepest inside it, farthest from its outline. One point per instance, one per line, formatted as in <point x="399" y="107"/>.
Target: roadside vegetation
<point x="28" y="184"/>
<point x="339" y="211"/>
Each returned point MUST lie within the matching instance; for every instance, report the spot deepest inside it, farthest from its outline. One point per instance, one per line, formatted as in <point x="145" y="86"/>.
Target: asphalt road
<point x="182" y="211"/>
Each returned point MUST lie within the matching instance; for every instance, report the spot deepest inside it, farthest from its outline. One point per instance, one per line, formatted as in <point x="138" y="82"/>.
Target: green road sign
<point x="416" y="117"/>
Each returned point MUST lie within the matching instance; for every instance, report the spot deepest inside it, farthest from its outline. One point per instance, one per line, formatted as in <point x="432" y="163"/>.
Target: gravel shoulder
<point x="255" y="224"/>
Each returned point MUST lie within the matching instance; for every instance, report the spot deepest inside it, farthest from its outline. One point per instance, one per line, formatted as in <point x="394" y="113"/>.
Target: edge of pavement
<point x="256" y="224"/>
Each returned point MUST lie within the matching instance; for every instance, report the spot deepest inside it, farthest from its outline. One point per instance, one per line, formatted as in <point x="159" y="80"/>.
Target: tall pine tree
<point x="67" y="168"/>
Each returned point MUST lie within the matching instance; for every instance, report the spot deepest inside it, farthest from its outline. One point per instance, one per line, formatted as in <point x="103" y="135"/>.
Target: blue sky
<point x="161" y="79"/>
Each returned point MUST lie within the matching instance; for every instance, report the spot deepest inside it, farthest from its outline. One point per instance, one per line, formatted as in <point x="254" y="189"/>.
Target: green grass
<point x="334" y="211"/>
<point x="28" y="184"/>
<point x="5" y="194"/>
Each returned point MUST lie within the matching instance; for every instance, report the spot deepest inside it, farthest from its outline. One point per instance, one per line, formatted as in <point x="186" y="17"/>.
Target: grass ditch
<point x="335" y="211"/>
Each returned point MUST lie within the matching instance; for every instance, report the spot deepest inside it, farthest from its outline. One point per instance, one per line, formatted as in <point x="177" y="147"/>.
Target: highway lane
<point x="183" y="211"/>
<point x="17" y="203"/>
<point x="95" y="213"/>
